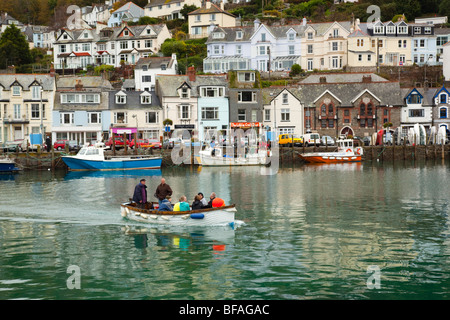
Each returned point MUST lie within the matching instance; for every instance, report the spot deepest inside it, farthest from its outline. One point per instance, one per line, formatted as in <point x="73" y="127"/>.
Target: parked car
<point x="61" y="145"/>
<point x="170" y="143"/>
<point x="155" y="144"/>
<point x="311" y="139"/>
<point x="141" y="143"/>
<point x="327" y="140"/>
<point x="288" y="139"/>
<point x="119" y="144"/>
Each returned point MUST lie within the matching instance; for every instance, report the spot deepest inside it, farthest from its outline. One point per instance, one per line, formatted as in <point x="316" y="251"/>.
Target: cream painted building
<point x="168" y="9"/>
<point x="202" y="21"/>
<point x="324" y="46"/>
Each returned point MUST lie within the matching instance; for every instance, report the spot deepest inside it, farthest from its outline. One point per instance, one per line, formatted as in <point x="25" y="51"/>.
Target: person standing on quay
<point x="162" y="191"/>
<point x="140" y="194"/>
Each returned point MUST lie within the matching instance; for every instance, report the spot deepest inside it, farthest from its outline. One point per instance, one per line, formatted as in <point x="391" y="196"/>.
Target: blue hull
<point x="8" y="167"/>
<point x="76" y="164"/>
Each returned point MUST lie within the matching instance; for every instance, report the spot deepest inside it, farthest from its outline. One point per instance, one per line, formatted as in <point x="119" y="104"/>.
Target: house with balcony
<point x="168" y="9"/>
<point x="26" y="104"/>
<point x="81" y="110"/>
<point x="203" y="20"/>
<point x="137" y="111"/>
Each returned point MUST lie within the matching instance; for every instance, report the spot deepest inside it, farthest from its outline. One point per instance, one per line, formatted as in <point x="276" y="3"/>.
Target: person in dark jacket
<point x="166" y="204"/>
<point x="197" y="204"/>
<point x="162" y="191"/>
<point x="211" y="198"/>
<point x="140" y="194"/>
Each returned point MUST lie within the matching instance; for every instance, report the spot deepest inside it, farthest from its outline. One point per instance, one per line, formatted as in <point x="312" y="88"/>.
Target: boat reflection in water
<point x="184" y="239"/>
<point x="348" y="166"/>
<point x="113" y="174"/>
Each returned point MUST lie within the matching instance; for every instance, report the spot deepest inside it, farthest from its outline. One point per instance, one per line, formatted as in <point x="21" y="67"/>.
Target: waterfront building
<point x="203" y="20"/>
<point x="26" y="103"/>
<point x="146" y="70"/>
<point x="246" y="103"/>
<point x="136" y="111"/>
<point x="424" y="50"/>
<point x="441" y="112"/>
<point x="418" y="108"/>
<point x="442" y="37"/>
<point x="353" y="104"/>
<point x="168" y="9"/>
<point x="127" y="12"/>
<point x="81" y="110"/>
<point x="95" y="13"/>
<point x="283" y="112"/>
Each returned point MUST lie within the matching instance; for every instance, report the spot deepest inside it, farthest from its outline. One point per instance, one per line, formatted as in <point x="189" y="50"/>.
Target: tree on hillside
<point x="14" y="48"/>
<point x="410" y="8"/>
<point x="444" y="8"/>
<point x="186" y="10"/>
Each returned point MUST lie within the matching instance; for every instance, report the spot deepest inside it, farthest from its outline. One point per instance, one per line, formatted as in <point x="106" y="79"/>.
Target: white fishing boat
<point x="202" y="217"/>
<point x="213" y="156"/>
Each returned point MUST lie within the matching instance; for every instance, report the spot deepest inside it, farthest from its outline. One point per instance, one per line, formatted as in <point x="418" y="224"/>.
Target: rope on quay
<point x="378" y="156"/>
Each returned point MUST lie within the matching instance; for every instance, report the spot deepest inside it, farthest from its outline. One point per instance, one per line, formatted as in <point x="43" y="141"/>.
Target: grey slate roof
<point x="342" y="77"/>
<point x="25" y="80"/>
<point x="90" y="83"/>
<point x="168" y="84"/>
<point x="133" y="101"/>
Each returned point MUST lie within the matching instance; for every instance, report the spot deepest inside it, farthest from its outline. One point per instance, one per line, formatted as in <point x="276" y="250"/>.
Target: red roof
<point x="81" y="54"/>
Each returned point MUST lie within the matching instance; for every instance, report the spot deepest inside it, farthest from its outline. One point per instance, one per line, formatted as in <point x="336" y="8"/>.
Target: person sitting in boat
<point x="162" y="191"/>
<point x="166" y="204"/>
<point x="197" y="204"/>
<point x="215" y="202"/>
<point x="140" y="194"/>
<point x="182" y="205"/>
<point x="203" y="200"/>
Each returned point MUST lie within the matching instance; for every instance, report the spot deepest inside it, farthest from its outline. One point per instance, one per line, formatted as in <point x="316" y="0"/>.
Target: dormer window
<point x="246" y="76"/>
<point x="427" y="30"/>
<point x="310" y="35"/>
<point x="378" y="29"/>
<point x="185" y="92"/>
<point x="85" y="35"/>
<point x="163" y="67"/>
<point x="35" y="92"/>
<point x="146" y="98"/>
<point x="218" y="35"/>
<point x="126" y="33"/>
<point x="238" y="34"/>
<point x="65" y="36"/>
<point x="121" y="98"/>
<point x="144" y="67"/>
<point x="402" y="29"/>
<point x="390" y="29"/>
<point x="417" y="30"/>
<point x="335" y="33"/>
<point x="291" y="36"/>
<point x="16" y="91"/>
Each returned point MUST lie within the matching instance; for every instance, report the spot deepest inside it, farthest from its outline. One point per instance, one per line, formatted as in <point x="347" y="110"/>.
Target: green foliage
<point x="167" y="122"/>
<point x="194" y="51"/>
<point x="14" y="48"/>
<point x="444" y="8"/>
<point x="186" y="10"/>
<point x="144" y="21"/>
<point x="295" y="70"/>
<point x="103" y="68"/>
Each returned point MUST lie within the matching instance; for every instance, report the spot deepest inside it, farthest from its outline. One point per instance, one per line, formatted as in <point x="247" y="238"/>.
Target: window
<point x="148" y="43"/>
<point x="416" y="113"/>
<point x="263" y="37"/>
<point x="35" y="92"/>
<point x="86" y="47"/>
<point x="362" y="109"/>
<point x="184" y="112"/>
<point x="402" y="58"/>
<point x="414" y="99"/>
<point x="417" y="30"/>
<point x="238" y="49"/>
<point x="402" y="29"/>
<point x="359" y="57"/>
<point x="120" y="117"/>
<point x="292" y="49"/>
<point x="212" y="17"/>
<point x="267" y="115"/>
<point x="379" y="29"/>
<point x="146" y="78"/>
<point x="443" y="113"/>
<point x="210" y="113"/>
<point x="285" y="115"/>
<point x="369" y="57"/>
<point x="310" y="35"/>
<point x="285" y="98"/>
<point x="211" y="92"/>
<point x="151" y="117"/>
<point x="238" y="34"/>
<point x="310" y="48"/>
<point x="16" y="91"/>
<point x="184" y="92"/>
<point x="310" y="64"/>
<point x="443" y="98"/>
<point x="360" y="42"/>
<point x="335" y="62"/>
<point x="334" y="46"/>
<point x="390" y="29"/>
<point x="94" y="117"/>
<point x="198" y="18"/>
<point x="246" y="96"/>
<point x="246" y="77"/>
<point x="216" y="49"/>
<point x="121" y="98"/>
<point x="35" y="111"/>
<point x="241" y="115"/>
<point x="291" y="36"/>
<point x="335" y="33"/>
<point x="62" y="48"/>
<point x="66" y="118"/>
<point x="146" y="99"/>
<point x="123" y="44"/>
<point x="380" y="43"/>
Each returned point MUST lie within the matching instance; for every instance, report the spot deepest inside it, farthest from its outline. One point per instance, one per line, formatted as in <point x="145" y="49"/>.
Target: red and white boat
<point x="345" y="152"/>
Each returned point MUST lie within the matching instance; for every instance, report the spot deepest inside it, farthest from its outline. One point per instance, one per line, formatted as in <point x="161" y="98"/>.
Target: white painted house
<point x="147" y="68"/>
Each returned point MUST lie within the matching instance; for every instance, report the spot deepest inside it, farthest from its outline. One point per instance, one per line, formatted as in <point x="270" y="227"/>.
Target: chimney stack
<point x="323" y="80"/>
<point x="78" y="85"/>
<point x="366" y="79"/>
<point x="191" y="74"/>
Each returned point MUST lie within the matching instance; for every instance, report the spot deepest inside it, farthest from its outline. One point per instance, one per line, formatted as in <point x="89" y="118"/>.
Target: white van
<point x="308" y="139"/>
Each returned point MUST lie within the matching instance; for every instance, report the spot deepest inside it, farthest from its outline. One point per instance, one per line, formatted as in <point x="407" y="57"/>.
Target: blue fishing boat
<point x="94" y="158"/>
<point x="8" y="165"/>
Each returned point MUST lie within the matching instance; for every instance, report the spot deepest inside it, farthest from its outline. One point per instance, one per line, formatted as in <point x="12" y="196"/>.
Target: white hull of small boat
<point x="206" y="217"/>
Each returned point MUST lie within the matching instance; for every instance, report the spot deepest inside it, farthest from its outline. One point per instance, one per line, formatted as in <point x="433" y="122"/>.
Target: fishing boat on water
<point x="94" y="158"/>
<point x="8" y="165"/>
<point x="202" y="217"/>
<point x="213" y="156"/>
<point x="346" y="152"/>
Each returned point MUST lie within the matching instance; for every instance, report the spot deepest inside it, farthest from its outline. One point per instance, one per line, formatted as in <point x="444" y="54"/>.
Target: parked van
<point x="308" y="139"/>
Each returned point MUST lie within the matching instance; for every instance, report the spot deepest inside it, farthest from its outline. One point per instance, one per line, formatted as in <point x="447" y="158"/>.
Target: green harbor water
<point x="307" y="232"/>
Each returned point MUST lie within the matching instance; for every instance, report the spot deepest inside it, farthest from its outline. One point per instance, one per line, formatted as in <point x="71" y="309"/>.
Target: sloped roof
<point x="168" y="84"/>
<point x="343" y="77"/>
<point x="88" y="82"/>
<point x="25" y="80"/>
<point x="212" y="9"/>
<point x="133" y="101"/>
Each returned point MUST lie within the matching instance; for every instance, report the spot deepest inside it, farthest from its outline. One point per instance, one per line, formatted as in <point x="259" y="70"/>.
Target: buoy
<point x="185" y="217"/>
<point x="153" y="216"/>
<point x="165" y="218"/>
<point x="137" y="213"/>
<point x="143" y="215"/>
<point x="197" y="216"/>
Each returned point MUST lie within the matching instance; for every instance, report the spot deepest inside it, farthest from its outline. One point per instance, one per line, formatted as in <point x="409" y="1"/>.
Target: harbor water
<point x="345" y="231"/>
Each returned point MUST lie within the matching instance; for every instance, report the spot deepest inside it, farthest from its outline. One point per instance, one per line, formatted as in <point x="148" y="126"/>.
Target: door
<point x="18" y="133"/>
